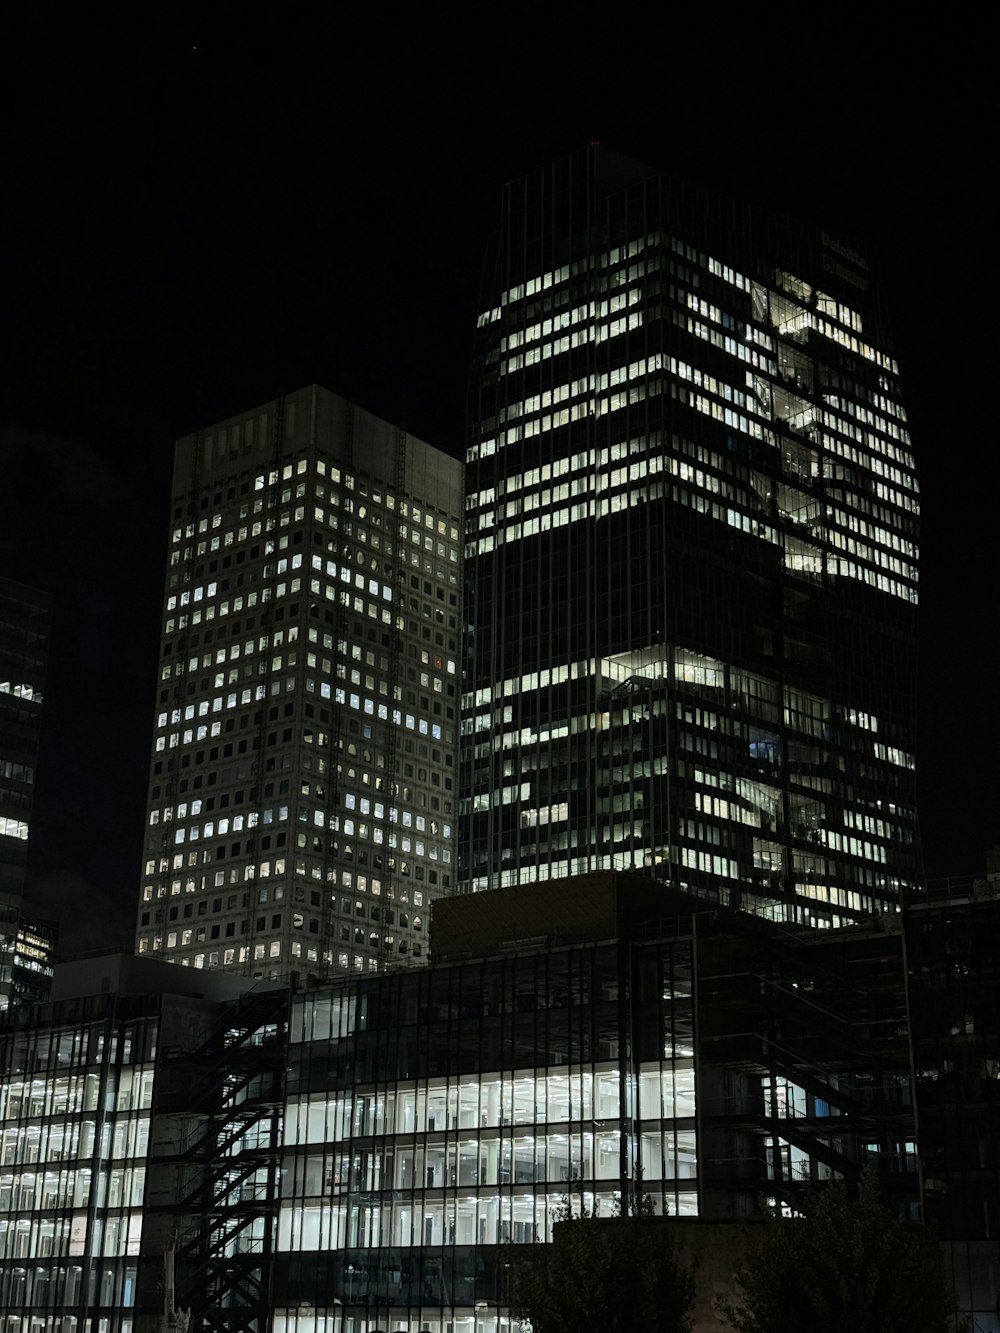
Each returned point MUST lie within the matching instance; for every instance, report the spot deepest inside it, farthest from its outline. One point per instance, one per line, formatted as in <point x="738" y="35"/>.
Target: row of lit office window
<point x="799" y="556"/>
<point x="491" y="1100"/>
<point x="828" y="307"/>
<point x="650" y="453"/>
<point x="648" y="366"/>
<point x="845" y="406"/>
<point x="60" y="1140"/>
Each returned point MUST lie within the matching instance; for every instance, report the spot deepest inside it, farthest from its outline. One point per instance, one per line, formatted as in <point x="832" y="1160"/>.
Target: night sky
<point x="195" y="220"/>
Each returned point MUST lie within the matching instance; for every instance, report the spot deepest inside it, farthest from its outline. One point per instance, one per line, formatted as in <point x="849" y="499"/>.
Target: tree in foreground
<point x="847" y="1267"/>
<point x="619" y="1274"/>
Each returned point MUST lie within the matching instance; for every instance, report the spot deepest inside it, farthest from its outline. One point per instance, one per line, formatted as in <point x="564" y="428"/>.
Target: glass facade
<point x="434" y="1117"/>
<point x="362" y="1154"/>
<point x="691" y="526"/>
<point x="75" y="1101"/>
<point x="302" y="795"/>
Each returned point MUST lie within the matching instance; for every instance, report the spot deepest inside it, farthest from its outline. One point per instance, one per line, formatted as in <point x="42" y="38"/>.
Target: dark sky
<point x="197" y="219"/>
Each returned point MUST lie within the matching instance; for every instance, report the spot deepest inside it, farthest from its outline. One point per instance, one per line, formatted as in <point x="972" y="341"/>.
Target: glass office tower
<point x="691" y="541"/>
<point x="304" y="758"/>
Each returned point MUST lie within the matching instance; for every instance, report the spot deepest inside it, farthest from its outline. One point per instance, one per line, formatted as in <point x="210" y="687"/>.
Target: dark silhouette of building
<point x="25" y="613"/>
<point x="953" y="963"/>
<point x="692" y="523"/>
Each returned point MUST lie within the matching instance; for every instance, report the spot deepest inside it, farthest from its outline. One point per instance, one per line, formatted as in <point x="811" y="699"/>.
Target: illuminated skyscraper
<point x="303" y="778"/>
<point x="691" y="531"/>
<point x="24" y="641"/>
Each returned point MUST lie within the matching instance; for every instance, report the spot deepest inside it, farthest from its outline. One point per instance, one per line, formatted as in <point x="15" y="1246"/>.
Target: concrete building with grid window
<point x="691" y="535"/>
<point x="303" y="779"/>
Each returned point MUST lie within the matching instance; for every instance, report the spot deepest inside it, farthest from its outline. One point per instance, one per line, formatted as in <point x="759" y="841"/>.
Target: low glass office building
<point x="364" y="1154"/>
<point x="475" y="1099"/>
<point x="434" y="1118"/>
<point x="74" y="1117"/>
<point x="83" y="1160"/>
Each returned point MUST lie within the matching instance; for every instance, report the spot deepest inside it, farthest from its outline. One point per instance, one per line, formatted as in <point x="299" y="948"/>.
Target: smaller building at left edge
<point x="27" y="944"/>
<point x="363" y="1153"/>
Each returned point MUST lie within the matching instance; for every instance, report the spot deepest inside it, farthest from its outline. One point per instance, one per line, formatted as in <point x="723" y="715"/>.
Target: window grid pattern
<point x="473" y="1100"/>
<point x="290" y="654"/>
<point x="74" y="1132"/>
